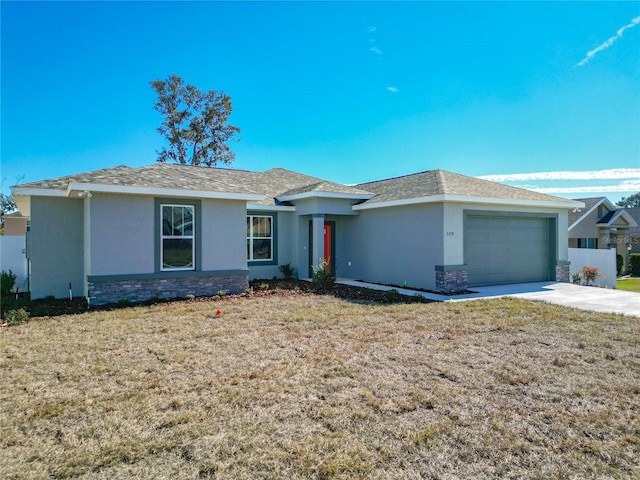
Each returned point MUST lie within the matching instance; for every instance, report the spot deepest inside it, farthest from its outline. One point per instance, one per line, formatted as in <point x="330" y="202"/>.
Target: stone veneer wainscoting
<point x="102" y="290"/>
<point x="450" y="279"/>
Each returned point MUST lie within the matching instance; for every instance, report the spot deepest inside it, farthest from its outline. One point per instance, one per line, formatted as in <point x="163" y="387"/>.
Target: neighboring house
<point x="13" y="248"/>
<point x="599" y="225"/>
<point x="172" y="230"/>
<point x="634" y="232"/>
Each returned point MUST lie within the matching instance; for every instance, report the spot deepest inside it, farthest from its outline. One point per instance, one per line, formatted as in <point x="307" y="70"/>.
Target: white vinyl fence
<point x="603" y="259"/>
<point x="13" y="257"/>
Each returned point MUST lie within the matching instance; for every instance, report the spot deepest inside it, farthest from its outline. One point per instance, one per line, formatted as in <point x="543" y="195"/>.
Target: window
<point x="259" y="237"/>
<point x="587" y="243"/>
<point x="177" y="237"/>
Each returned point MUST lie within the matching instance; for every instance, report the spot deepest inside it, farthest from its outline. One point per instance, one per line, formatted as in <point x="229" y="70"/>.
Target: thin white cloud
<point x="371" y="29"/>
<point x="610" y="41"/>
<point x="375" y="50"/>
<point x="393" y="89"/>
<point x="608" y="174"/>
<point x="631" y="186"/>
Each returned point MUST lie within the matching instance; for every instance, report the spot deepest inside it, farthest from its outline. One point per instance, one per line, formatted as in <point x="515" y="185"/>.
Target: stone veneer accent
<point x="137" y="290"/>
<point x="451" y="279"/>
<point x="562" y="272"/>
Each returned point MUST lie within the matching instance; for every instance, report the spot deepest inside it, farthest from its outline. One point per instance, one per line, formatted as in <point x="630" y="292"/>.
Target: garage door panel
<point x="506" y="249"/>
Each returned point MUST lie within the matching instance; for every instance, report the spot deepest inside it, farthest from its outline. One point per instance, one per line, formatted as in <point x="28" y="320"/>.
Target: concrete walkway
<point x="576" y="296"/>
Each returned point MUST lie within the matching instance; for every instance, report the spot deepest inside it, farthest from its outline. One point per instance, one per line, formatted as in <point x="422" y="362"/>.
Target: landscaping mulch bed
<point x="259" y="288"/>
<point x="345" y="292"/>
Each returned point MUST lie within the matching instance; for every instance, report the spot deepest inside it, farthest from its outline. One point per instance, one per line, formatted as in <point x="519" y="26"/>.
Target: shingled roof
<point x="279" y="183"/>
<point x="589" y="203"/>
<point x="442" y="182"/>
<point x="271" y="183"/>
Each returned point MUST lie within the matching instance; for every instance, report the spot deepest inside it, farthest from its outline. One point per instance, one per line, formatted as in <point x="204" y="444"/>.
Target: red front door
<point x="328" y="235"/>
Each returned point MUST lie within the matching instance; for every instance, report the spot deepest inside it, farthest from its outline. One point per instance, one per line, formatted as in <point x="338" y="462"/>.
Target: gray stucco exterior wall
<point x="220" y="249"/>
<point x="224" y="235"/>
<point x="56" y="247"/>
<point x="397" y="245"/>
<point x="122" y="234"/>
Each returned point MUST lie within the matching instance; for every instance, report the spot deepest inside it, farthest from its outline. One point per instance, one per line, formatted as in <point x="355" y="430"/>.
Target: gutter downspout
<point x="86" y="241"/>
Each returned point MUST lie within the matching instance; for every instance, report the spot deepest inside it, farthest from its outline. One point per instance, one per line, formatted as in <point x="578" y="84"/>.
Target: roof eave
<point x="161" y="192"/>
<point x="270" y="208"/>
<point x="344" y="196"/>
<point x="568" y="204"/>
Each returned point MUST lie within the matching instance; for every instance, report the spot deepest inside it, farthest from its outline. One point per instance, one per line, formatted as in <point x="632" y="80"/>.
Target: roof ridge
<point x="204" y="167"/>
<point x="440" y="181"/>
<point x="398" y="177"/>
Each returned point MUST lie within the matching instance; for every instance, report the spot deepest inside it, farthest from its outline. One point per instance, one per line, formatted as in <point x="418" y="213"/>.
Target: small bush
<point x="323" y="274"/>
<point x="391" y="295"/>
<point x="634" y="264"/>
<point x="17" y="316"/>
<point x="589" y="275"/>
<point x="287" y="271"/>
<point x="576" y="278"/>
<point x="7" y="282"/>
<point x="619" y="264"/>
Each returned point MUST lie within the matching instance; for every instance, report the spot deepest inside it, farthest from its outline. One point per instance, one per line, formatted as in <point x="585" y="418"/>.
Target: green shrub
<point x="634" y="264"/>
<point x="391" y="295"/>
<point x="17" y="316"/>
<point x="576" y="278"/>
<point x="619" y="264"/>
<point x="323" y="274"/>
<point x="7" y="282"/>
<point x="286" y="270"/>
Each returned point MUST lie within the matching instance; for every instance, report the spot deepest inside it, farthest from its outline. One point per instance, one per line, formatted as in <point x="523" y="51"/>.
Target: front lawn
<point x="301" y="386"/>
<point x="630" y="284"/>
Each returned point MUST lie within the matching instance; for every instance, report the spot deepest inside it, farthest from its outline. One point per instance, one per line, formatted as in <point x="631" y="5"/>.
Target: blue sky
<point x="543" y="95"/>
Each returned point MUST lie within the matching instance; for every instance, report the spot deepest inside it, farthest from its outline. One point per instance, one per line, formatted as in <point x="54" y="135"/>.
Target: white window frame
<point x="251" y="238"/>
<point x="191" y="237"/>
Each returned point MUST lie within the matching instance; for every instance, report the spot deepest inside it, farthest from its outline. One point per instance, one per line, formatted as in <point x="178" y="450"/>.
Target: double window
<point x="177" y="240"/>
<point x="587" y="243"/>
<point x="259" y="238"/>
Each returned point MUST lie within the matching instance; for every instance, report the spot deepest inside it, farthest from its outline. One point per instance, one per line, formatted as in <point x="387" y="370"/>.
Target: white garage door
<point x="506" y="249"/>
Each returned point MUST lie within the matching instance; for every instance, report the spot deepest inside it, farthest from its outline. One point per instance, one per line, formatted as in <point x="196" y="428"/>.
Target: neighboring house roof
<point x="589" y="205"/>
<point x="16" y="214"/>
<point x="278" y="186"/>
<point x="635" y="214"/>
<point x="441" y="183"/>
<point x="605" y="220"/>
<point x="608" y="219"/>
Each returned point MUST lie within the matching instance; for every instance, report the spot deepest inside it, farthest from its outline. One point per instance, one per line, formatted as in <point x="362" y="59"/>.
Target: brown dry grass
<point x="316" y="387"/>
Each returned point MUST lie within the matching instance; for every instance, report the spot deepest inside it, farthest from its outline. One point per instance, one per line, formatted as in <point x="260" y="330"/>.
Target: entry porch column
<point x="317" y="239"/>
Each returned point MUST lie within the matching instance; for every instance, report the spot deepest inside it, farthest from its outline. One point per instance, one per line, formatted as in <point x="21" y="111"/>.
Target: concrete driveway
<point x="567" y="294"/>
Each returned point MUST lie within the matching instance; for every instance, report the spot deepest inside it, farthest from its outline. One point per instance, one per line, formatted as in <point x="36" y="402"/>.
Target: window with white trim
<point x="259" y="237"/>
<point x="177" y="240"/>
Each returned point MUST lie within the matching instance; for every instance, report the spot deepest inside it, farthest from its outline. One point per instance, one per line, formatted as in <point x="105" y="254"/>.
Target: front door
<point x="329" y="240"/>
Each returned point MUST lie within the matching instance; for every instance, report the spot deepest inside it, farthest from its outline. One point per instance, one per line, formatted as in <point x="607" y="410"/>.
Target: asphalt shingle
<point x="279" y="182"/>
<point x="442" y="182"/>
